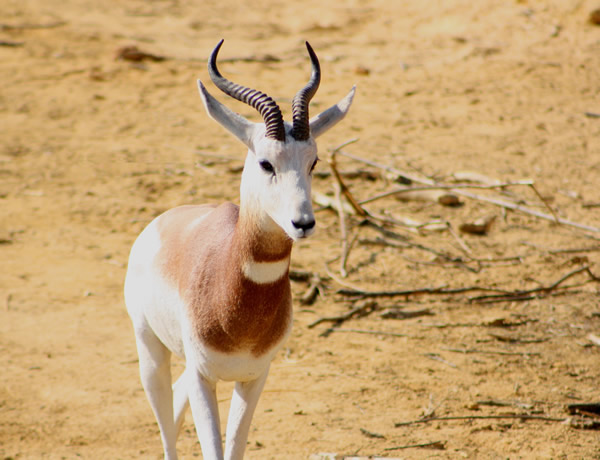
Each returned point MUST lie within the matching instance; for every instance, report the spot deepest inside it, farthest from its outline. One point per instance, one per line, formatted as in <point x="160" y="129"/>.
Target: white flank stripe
<point x="265" y="272"/>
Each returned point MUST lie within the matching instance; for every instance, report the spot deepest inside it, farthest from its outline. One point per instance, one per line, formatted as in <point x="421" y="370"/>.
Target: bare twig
<point x="303" y="275"/>
<point x="25" y="26"/>
<point x="482" y="417"/>
<point x="508" y="339"/>
<point x="588" y="409"/>
<point x="315" y="288"/>
<point x="426" y="290"/>
<point x="436" y="357"/>
<point x="360" y="310"/>
<point x="525" y="210"/>
<point x="403" y="242"/>
<point x="11" y="43"/>
<point x="528" y="293"/>
<point x="364" y="331"/>
<point x="441" y="445"/>
<point x="435" y="186"/>
<point x="371" y="434"/>
<point x="498" y="202"/>
<point x="543" y="200"/>
<point x="343" y="188"/>
<point x="339" y="280"/>
<point x="343" y="228"/>
<point x="490" y="352"/>
<point x="498" y="403"/>
<point x="396" y="313"/>
<point x="562" y="250"/>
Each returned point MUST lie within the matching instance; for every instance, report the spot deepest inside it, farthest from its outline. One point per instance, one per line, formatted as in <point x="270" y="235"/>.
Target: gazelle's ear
<point x="327" y="119"/>
<point x="236" y="124"/>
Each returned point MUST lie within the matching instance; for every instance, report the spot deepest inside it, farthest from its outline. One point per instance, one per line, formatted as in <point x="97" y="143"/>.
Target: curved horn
<point x="267" y="107"/>
<point x="301" y="127"/>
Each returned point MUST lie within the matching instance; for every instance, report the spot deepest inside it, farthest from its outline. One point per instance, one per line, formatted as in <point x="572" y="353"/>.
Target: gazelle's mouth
<point x="300" y="234"/>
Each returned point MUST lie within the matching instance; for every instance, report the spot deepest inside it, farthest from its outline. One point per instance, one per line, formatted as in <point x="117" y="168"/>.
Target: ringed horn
<point x="266" y="105"/>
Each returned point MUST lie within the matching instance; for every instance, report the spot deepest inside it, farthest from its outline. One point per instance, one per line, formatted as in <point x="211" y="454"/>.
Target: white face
<point x="277" y="180"/>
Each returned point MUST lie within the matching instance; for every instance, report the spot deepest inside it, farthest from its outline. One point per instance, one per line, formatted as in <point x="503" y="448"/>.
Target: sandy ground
<point x="92" y="148"/>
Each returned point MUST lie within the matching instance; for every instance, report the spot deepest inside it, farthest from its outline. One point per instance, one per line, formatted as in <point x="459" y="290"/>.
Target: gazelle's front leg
<point x="243" y="403"/>
<point x="205" y="411"/>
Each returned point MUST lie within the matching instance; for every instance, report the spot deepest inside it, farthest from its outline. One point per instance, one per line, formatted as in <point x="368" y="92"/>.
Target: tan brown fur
<point x="229" y="312"/>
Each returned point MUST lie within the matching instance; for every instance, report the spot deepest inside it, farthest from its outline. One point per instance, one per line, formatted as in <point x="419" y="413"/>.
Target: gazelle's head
<point x="277" y="176"/>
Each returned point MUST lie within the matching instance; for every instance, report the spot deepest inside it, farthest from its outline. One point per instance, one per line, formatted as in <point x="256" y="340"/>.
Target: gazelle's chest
<point x="241" y="316"/>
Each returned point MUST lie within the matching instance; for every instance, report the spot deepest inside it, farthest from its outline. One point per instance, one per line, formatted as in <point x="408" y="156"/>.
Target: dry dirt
<point x="92" y="148"/>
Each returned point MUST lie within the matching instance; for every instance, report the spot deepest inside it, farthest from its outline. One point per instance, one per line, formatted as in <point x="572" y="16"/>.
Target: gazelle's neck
<point x="263" y="246"/>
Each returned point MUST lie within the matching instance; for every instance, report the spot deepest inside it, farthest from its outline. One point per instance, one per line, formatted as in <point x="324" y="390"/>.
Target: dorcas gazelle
<point x="210" y="283"/>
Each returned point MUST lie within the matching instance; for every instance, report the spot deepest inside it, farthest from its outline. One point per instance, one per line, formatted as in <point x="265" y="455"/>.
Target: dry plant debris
<point x="394" y="233"/>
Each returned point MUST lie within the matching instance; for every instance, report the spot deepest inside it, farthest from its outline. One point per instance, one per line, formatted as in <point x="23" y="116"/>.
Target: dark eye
<point x="266" y="166"/>
<point x="313" y="165"/>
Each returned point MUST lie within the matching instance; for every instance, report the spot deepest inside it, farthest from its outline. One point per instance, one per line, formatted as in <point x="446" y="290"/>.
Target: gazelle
<point x="210" y="283"/>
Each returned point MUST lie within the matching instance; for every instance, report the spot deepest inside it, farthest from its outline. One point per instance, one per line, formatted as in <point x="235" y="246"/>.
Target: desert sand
<point x="93" y="145"/>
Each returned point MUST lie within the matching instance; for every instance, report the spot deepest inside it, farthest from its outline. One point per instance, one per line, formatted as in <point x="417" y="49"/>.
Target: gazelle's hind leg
<point x="181" y="401"/>
<point x="155" y="373"/>
<point x="243" y="403"/>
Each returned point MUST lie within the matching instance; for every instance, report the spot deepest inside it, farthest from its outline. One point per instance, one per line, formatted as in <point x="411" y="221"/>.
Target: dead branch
<point x="343" y="229"/>
<point x="491" y="352"/>
<point x="498" y="322"/>
<point x="11" y="43"/>
<point x="29" y="26"/>
<point x="343" y="188"/>
<point x="543" y="200"/>
<point x="371" y="434"/>
<point x="436" y="357"/>
<point x="498" y="202"/>
<point x="509" y="339"/>
<point x="364" y="308"/>
<point x="301" y="275"/>
<point x="563" y="250"/>
<point x="498" y="403"/>
<point x="502" y="295"/>
<point x="396" y="313"/>
<point x="409" y="292"/>
<point x="516" y="207"/>
<point x="400" y="241"/>
<point x="316" y="287"/>
<point x="364" y="331"/>
<point x="588" y="409"/>
<point x="435" y="186"/>
<point x="503" y="322"/>
<point x="440" y="445"/>
<point x="532" y="293"/>
<point x="482" y="417"/>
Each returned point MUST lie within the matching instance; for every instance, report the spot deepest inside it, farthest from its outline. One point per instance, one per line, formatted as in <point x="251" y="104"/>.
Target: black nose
<point x="304" y="224"/>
